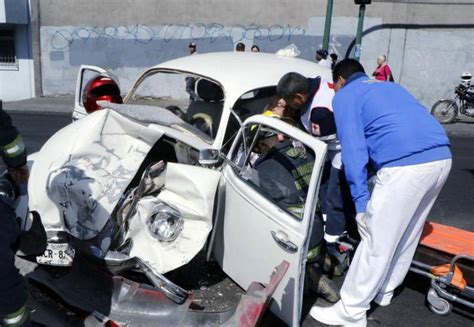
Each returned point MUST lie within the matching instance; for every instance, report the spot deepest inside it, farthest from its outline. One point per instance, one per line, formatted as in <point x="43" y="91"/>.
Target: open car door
<point x="86" y="74"/>
<point x="269" y="207"/>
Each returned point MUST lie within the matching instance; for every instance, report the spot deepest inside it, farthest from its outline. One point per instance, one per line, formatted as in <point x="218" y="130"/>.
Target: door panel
<point x="257" y="232"/>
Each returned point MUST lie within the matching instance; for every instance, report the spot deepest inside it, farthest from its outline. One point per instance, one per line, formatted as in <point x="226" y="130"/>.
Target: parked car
<point x="137" y="187"/>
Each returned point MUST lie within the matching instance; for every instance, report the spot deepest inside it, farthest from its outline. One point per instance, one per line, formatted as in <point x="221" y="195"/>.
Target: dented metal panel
<point x="82" y="171"/>
<point x="191" y="190"/>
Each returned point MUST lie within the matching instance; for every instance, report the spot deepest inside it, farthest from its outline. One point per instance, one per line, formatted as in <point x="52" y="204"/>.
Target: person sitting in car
<point x="284" y="170"/>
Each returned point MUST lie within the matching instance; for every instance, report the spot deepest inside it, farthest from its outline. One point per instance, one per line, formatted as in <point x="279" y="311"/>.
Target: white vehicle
<point x="134" y="181"/>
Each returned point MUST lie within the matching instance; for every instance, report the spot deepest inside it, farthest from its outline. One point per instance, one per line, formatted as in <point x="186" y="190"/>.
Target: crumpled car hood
<point x="191" y="190"/>
<point x="82" y="171"/>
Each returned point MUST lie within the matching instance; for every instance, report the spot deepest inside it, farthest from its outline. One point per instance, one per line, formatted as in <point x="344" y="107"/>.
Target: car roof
<point x="240" y="72"/>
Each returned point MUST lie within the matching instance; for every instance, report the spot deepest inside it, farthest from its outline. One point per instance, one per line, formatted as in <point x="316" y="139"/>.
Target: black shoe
<point x="321" y="285"/>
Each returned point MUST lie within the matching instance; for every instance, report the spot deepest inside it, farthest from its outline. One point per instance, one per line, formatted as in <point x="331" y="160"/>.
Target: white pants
<point x="390" y="231"/>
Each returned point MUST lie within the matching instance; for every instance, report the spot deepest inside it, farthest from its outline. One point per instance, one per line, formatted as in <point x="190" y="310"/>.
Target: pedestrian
<point x="334" y="58"/>
<point x="311" y="101"/>
<point x="255" y="48"/>
<point x="192" y="48"/>
<point x="383" y="72"/>
<point x="322" y="58"/>
<point x="382" y="124"/>
<point x="191" y="81"/>
<point x="13" y="294"/>
<point x="240" y="47"/>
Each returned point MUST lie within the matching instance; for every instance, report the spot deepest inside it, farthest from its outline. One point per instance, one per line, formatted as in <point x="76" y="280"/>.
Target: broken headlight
<point x="164" y="223"/>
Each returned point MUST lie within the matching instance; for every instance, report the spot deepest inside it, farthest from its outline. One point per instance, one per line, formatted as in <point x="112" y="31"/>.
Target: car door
<point x="257" y="231"/>
<point x="85" y="74"/>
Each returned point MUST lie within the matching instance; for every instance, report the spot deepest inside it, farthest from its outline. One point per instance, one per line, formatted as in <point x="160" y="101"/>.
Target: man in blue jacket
<point x="382" y="125"/>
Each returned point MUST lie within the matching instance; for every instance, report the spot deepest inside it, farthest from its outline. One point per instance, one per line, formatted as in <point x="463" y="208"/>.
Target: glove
<point x="19" y="174"/>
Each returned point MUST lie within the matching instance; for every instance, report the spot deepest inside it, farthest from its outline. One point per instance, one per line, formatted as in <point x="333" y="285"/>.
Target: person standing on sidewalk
<point x="382" y="72"/>
<point x="13" y="311"/>
<point x="381" y="124"/>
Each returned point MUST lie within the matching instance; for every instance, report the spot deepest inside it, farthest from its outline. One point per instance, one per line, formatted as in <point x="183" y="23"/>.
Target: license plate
<point x="57" y="254"/>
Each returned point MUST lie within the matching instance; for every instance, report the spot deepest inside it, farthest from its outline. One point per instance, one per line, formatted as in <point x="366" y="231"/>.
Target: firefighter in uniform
<point x="284" y="171"/>
<point x="13" y="293"/>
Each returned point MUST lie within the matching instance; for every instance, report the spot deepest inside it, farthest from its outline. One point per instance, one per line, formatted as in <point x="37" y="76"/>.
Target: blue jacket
<point x="381" y="123"/>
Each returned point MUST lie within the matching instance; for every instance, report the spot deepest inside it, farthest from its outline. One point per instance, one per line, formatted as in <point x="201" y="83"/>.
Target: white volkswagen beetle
<point x="136" y="182"/>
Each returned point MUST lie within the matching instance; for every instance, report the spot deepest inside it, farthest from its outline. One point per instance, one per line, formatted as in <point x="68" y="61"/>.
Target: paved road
<point x="454" y="207"/>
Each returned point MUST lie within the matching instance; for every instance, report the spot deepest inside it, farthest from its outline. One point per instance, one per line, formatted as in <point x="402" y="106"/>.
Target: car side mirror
<point x="209" y="157"/>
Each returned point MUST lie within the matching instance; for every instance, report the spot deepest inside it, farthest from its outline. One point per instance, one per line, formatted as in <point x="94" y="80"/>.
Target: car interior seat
<point x="205" y="113"/>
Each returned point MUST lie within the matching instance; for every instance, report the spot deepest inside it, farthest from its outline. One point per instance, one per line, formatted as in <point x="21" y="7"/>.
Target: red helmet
<point x="100" y="88"/>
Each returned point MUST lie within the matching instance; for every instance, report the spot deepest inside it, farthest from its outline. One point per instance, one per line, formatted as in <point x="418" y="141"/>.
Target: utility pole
<point x="360" y="27"/>
<point x="327" y="24"/>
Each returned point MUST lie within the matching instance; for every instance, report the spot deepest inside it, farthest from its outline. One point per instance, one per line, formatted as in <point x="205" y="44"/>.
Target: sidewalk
<point x="42" y="105"/>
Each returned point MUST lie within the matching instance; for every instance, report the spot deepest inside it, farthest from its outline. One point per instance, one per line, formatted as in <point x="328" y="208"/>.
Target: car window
<point x="276" y="166"/>
<point x="251" y="103"/>
<point x="196" y="100"/>
<point x="255" y="102"/>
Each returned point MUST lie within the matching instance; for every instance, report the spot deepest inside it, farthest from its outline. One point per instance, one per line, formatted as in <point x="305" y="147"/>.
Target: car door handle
<point x="282" y="240"/>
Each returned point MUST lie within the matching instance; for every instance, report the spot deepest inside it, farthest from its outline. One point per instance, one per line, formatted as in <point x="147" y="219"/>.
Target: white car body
<point x="80" y="174"/>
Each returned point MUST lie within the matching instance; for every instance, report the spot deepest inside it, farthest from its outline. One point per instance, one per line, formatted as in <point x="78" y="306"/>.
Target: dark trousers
<point x="337" y="201"/>
<point x="12" y="285"/>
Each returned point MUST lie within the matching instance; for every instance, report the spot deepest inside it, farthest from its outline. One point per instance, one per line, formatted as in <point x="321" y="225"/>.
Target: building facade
<point x="428" y="43"/>
<point x="16" y="56"/>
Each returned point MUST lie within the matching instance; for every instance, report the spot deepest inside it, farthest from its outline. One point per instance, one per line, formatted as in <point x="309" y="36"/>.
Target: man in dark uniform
<point x="284" y="170"/>
<point x="13" y="293"/>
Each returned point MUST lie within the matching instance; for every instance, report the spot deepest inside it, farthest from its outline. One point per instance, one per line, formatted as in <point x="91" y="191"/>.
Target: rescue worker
<point x="284" y="168"/>
<point x="13" y="311"/>
<point x="382" y="124"/>
<point x="311" y="100"/>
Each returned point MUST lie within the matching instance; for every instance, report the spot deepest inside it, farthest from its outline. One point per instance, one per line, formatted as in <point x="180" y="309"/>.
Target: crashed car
<point x="137" y="187"/>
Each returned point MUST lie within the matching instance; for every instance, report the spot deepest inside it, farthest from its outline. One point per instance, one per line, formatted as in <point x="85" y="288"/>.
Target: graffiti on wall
<point x="127" y="50"/>
<point x="143" y="34"/>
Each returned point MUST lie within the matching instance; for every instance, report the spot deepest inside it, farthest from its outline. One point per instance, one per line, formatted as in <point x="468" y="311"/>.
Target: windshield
<point x="196" y="100"/>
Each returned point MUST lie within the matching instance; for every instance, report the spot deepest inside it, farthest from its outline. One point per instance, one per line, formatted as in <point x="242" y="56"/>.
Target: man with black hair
<point x="381" y="124"/>
<point x="334" y="58"/>
<point x="322" y="58"/>
<point x="240" y="47"/>
<point x="311" y="101"/>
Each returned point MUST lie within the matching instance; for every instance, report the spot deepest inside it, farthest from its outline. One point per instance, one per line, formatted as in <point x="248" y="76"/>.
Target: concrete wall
<point x="426" y="48"/>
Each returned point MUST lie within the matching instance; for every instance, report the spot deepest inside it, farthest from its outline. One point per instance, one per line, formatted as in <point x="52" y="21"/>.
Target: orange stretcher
<point x="446" y="256"/>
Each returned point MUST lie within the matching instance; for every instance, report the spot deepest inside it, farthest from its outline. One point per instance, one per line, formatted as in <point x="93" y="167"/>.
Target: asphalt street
<point x="454" y="207"/>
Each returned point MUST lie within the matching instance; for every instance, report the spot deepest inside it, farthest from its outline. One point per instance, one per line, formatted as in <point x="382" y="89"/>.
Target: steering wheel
<point x="204" y="123"/>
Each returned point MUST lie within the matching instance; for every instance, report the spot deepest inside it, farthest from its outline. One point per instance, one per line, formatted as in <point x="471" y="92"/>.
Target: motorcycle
<point x="446" y="110"/>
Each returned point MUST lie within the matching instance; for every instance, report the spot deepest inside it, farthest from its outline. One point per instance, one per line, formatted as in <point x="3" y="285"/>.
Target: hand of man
<point x="19" y="174"/>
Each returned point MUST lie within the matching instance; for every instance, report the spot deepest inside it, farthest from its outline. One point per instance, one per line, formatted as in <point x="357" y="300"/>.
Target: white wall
<point x="17" y="83"/>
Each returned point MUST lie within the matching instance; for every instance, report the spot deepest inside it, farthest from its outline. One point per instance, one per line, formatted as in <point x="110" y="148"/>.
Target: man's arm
<point x="12" y="149"/>
<point x="355" y="157"/>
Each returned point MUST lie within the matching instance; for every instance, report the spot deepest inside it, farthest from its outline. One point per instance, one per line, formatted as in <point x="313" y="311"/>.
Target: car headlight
<point x="164" y="223"/>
